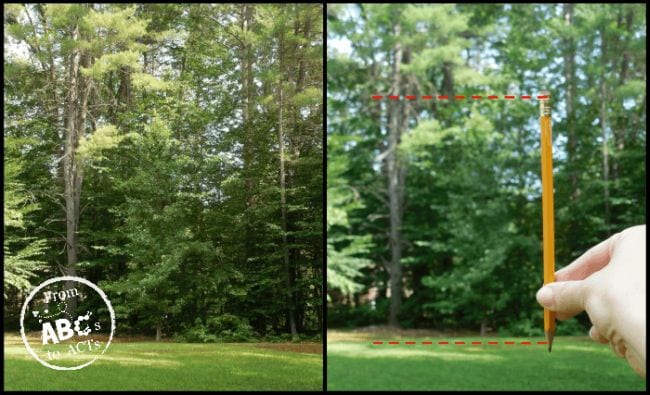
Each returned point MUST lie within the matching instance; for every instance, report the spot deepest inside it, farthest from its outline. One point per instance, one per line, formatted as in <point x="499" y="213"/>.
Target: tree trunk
<point x="447" y="80"/>
<point x="603" y="126"/>
<point x="246" y="139"/>
<point x="79" y="88"/>
<point x="394" y="181"/>
<point x="247" y="86"/>
<point x="71" y="174"/>
<point x="572" y="131"/>
<point x="620" y="119"/>
<point x="570" y="78"/>
<point x="125" y="87"/>
<point x="158" y="331"/>
<point x="484" y="327"/>
<point x="283" y="205"/>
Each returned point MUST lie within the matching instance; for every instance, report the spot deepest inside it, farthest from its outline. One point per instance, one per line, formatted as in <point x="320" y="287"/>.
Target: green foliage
<point x="103" y="138"/>
<point x="343" y="251"/>
<point x="308" y="97"/>
<point x="425" y="135"/>
<point x="63" y="15"/>
<point x="119" y="26"/>
<point x="231" y="328"/>
<point x="22" y="253"/>
<point x="112" y="62"/>
<point x="150" y="83"/>
<point x="196" y="334"/>
<point x="358" y="316"/>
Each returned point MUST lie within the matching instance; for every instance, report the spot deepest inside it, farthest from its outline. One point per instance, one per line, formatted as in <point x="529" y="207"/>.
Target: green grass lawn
<point x="576" y="363"/>
<point x="172" y="366"/>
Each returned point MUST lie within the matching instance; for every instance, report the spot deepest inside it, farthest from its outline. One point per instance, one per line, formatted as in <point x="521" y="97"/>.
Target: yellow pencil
<point x="548" y="228"/>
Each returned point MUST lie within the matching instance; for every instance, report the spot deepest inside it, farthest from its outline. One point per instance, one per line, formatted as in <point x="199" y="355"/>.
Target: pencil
<point x="547" y="209"/>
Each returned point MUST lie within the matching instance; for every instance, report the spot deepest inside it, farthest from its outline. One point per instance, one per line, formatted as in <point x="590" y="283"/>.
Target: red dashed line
<point x="460" y="343"/>
<point x="458" y="97"/>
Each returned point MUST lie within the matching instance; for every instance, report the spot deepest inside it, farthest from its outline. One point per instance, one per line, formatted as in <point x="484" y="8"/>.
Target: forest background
<point x="434" y="206"/>
<point x="173" y="155"/>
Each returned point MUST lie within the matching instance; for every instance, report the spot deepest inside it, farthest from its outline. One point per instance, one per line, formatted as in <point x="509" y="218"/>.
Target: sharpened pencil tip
<point x="549" y="339"/>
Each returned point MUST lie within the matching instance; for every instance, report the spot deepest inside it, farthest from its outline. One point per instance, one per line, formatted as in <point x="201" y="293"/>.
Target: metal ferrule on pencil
<point x="545" y="106"/>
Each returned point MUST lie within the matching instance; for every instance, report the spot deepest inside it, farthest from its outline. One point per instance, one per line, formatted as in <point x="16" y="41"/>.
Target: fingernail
<point x="545" y="297"/>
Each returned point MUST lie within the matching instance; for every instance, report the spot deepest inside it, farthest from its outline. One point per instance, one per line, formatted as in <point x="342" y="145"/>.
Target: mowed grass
<point x="172" y="366"/>
<point x="576" y="363"/>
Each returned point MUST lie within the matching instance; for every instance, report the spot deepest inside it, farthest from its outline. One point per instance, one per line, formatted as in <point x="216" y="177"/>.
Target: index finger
<point x="593" y="260"/>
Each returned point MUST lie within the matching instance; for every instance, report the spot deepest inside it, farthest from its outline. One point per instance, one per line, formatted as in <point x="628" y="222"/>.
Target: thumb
<point x="567" y="298"/>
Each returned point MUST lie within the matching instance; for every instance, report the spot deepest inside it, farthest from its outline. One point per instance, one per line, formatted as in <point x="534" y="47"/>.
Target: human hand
<point x="608" y="281"/>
